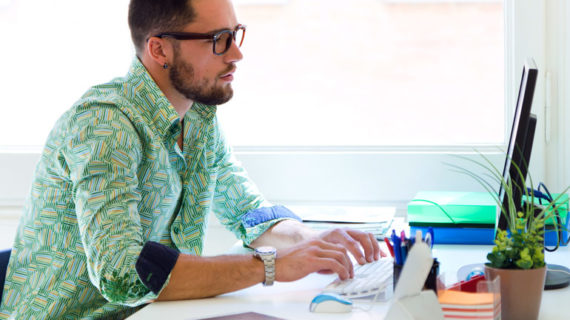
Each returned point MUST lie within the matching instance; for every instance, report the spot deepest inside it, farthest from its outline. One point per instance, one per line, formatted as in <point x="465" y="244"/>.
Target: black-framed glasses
<point x="222" y="40"/>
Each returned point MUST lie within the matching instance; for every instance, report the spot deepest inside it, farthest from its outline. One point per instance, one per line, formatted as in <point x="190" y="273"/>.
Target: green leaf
<point x="522" y="246"/>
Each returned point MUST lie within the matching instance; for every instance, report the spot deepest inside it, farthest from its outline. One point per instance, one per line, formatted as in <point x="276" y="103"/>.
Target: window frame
<point x="558" y="68"/>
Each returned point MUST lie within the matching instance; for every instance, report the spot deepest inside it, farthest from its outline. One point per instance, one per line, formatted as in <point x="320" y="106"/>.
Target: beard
<point x="182" y="78"/>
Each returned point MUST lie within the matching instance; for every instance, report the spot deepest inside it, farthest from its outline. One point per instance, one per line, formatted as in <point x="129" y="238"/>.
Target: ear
<point x="159" y="50"/>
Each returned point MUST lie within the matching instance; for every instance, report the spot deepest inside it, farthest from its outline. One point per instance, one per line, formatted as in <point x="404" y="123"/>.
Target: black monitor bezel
<point x="520" y="141"/>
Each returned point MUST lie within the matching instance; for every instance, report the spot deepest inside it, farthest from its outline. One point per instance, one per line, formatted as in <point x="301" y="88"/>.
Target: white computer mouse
<point x="330" y="303"/>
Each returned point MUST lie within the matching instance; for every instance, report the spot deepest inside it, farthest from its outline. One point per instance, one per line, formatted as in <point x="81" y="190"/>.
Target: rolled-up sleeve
<point x="238" y="204"/>
<point x="102" y="156"/>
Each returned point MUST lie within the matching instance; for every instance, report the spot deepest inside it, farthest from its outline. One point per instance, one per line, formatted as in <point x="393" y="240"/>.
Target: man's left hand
<point x="362" y="245"/>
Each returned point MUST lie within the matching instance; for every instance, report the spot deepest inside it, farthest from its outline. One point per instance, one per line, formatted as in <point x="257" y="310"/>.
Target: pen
<point x="403" y="247"/>
<point x="428" y="240"/>
<point x="404" y="251"/>
<point x="397" y="249"/>
<point x="430" y="234"/>
<point x="389" y="245"/>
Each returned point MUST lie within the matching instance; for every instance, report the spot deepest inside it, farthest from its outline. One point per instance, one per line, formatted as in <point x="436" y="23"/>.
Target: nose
<point x="234" y="54"/>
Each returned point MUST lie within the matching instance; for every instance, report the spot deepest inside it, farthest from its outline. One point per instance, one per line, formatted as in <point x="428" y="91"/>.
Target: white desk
<point x="291" y="300"/>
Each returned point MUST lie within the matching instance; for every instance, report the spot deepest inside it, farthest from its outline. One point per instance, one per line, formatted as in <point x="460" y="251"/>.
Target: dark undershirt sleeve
<point x="154" y="264"/>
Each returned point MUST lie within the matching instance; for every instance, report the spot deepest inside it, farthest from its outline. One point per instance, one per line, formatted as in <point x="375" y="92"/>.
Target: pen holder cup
<point x="431" y="281"/>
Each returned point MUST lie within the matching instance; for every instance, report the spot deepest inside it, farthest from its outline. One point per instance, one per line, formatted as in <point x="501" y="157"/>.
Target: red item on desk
<point x="389" y="245"/>
<point x="468" y="285"/>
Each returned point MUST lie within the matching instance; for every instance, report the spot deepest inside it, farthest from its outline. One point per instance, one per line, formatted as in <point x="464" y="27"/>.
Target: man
<point x="117" y="212"/>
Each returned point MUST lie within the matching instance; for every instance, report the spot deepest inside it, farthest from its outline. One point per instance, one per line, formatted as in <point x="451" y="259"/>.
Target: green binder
<point x="452" y="209"/>
<point x="468" y="217"/>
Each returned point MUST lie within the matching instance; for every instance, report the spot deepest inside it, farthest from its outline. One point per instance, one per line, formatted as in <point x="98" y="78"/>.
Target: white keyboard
<point x="369" y="279"/>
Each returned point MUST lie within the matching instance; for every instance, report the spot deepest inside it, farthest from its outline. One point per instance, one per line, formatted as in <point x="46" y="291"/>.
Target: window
<point x="369" y="73"/>
<point x="315" y="73"/>
<point x="53" y="52"/>
<point x="334" y="102"/>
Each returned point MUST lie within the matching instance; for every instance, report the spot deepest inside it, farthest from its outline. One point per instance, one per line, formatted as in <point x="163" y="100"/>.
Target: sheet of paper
<point x="344" y="214"/>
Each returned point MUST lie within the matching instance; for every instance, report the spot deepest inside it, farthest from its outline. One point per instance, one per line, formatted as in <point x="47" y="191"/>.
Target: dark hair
<point x="148" y="17"/>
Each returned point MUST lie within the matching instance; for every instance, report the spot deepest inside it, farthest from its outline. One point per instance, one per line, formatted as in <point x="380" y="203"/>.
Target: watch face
<point x="265" y="250"/>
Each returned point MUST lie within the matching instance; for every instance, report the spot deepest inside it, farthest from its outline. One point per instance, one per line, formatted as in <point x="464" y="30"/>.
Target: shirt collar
<point x="206" y="112"/>
<point x="149" y="99"/>
<point x="154" y="105"/>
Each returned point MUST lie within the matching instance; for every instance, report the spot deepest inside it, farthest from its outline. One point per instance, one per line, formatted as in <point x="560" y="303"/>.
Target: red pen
<point x="389" y="245"/>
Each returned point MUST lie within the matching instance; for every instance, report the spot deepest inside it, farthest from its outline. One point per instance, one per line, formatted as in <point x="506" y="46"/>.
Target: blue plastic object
<point x="451" y="235"/>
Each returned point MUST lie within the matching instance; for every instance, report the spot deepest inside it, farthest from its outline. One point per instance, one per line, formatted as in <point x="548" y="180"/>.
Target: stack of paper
<point x="375" y="220"/>
<point x="469" y="305"/>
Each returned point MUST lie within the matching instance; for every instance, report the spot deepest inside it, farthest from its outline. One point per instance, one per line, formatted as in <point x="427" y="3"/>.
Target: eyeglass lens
<point x="224" y="40"/>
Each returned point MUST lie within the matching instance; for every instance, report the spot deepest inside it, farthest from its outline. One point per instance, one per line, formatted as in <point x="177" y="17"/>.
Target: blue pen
<point x="431" y="238"/>
<point x="397" y="248"/>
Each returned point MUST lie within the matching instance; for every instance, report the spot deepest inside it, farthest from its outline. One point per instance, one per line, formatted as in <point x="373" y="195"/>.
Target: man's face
<point x="203" y="90"/>
<point x="195" y="71"/>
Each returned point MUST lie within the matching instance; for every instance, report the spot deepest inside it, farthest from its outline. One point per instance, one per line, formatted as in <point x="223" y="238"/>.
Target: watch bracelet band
<point x="269" y="266"/>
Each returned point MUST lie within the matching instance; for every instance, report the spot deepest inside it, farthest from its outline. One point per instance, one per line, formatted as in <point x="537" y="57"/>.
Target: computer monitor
<point x="518" y="156"/>
<point x="520" y="142"/>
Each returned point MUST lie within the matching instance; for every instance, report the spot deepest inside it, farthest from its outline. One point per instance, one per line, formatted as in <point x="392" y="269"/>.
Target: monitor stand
<point x="557" y="277"/>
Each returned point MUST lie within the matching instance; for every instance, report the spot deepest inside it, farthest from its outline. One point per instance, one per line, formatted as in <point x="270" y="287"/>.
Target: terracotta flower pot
<point x="521" y="291"/>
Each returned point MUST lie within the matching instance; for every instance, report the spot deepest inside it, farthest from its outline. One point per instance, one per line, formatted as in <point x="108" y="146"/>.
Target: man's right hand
<point x="311" y="256"/>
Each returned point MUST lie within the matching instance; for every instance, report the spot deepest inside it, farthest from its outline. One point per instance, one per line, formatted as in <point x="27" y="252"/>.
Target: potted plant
<point x="518" y="255"/>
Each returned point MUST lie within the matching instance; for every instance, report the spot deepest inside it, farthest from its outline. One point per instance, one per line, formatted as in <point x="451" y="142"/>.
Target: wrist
<point x="267" y="255"/>
<point x="293" y="232"/>
<point x="256" y="270"/>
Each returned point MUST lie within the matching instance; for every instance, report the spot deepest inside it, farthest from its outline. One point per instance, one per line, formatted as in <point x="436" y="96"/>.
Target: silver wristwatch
<point x="267" y="255"/>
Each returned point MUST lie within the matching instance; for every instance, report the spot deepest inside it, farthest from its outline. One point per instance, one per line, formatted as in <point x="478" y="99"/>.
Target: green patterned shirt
<point x="112" y="177"/>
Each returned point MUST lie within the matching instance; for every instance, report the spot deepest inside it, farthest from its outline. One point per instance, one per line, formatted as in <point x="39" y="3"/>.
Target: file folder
<point x="468" y="217"/>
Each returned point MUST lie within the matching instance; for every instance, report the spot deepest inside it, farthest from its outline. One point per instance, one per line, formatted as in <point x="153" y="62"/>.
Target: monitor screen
<point x="520" y="142"/>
